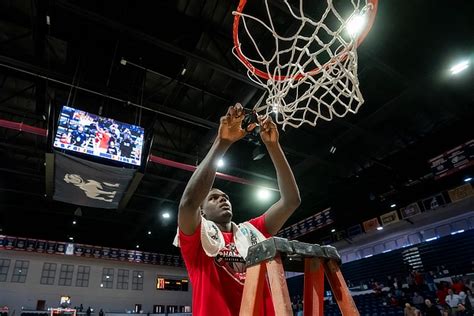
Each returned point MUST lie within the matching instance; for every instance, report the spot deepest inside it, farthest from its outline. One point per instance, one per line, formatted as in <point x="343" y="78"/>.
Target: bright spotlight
<point x="393" y="205"/>
<point x="74" y="222"/>
<point x="356" y="24"/>
<point x="220" y="163"/>
<point x="459" y="67"/>
<point x="380" y="228"/>
<point x="264" y="194"/>
<point x="138" y="246"/>
<point x="71" y="238"/>
<point x="467" y="179"/>
<point x="149" y="232"/>
<point x="333" y="230"/>
<point x="166" y="215"/>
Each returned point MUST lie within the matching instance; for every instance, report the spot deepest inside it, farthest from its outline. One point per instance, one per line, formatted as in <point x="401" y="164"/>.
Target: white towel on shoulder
<point x="212" y="239"/>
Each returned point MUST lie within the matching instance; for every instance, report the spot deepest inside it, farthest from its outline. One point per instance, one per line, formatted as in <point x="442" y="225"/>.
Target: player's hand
<point x="230" y="128"/>
<point x="268" y="130"/>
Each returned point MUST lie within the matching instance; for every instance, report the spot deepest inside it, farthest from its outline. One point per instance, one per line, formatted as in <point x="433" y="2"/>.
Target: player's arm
<point x="201" y="181"/>
<point x="278" y="213"/>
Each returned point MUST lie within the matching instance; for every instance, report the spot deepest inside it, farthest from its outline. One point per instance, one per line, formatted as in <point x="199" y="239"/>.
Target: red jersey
<point x="217" y="282"/>
<point x="103" y="139"/>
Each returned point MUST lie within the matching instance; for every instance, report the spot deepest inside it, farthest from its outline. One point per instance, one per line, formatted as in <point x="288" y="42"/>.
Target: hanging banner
<point x="60" y="248"/>
<point x="410" y="210"/>
<point x="10" y="243"/>
<point x="20" y="244"/>
<point x="30" y="245"/>
<point x="371" y="224"/>
<point x="389" y="218"/>
<point x="3" y="241"/>
<point x="82" y="182"/>
<point x="69" y="249"/>
<point x="433" y="202"/>
<point x="453" y="160"/>
<point x="461" y="192"/>
<point x="114" y="254"/>
<point x="51" y="247"/>
<point x="79" y="250"/>
<point x="307" y="225"/>
<point x="41" y="246"/>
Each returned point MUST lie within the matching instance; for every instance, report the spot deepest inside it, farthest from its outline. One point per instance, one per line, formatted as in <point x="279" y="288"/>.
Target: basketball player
<point x="210" y="243"/>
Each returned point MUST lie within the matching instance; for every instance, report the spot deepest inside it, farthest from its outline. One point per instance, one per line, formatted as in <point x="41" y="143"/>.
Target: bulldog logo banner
<point x="81" y="182"/>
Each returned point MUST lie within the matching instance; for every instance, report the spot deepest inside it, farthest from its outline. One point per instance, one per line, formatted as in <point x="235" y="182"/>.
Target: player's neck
<point x="225" y="227"/>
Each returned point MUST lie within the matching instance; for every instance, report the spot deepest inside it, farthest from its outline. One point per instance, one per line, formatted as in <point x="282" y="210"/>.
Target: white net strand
<point x="310" y="79"/>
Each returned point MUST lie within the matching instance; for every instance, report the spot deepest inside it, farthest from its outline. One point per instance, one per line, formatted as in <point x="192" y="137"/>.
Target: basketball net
<point x="312" y="74"/>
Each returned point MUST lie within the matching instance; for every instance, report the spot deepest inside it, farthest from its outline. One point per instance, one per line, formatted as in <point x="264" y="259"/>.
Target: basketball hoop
<point x="312" y="73"/>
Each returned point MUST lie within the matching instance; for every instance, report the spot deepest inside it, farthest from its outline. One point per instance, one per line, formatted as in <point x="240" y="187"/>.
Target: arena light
<point x="467" y="179"/>
<point x="380" y="228"/>
<point x="458" y="232"/>
<point x="393" y="205"/>
<point x="166" y="215"/>
<point x="220" y="163"/>
<point x="356" y="24"/>
<point x="333" y="230"/>
<point x="74" y="222"/>
<point x="459" y="67"/>
<point x="432" y="238"/>
<point x="264" y="194"/>
<point x="149" y="232"/>
<point x="71" y="238"/>
<point x="138" y="246"/>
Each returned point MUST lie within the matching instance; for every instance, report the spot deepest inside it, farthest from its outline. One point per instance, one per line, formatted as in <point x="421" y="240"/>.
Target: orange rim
<point x="263" y="74"/>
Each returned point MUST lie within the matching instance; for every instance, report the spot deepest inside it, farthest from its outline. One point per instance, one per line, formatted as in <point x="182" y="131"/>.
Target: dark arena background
<point x="107" y="107"/>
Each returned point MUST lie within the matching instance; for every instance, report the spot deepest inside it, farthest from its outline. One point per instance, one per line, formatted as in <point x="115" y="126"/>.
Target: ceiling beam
<point x="123" y="29"/>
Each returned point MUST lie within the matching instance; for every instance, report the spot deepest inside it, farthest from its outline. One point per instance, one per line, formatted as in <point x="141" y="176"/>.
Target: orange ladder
<point x="265" y="259"/>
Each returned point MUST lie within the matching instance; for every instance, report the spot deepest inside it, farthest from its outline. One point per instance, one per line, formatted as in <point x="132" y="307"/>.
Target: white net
<point x="310" y="74"/>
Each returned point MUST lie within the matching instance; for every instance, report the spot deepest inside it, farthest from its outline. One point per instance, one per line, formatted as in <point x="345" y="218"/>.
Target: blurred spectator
<point x="453" y="300"/>
<point x="78" y="137"/>
<point x="461" y="311"/>
<point x="462" y="297"/>
<point x="397" y="285"/>
<point x="469" y="301"/>
<point x="441" y="294"/>
<point x="418" y="279"/>
<point x="377" y="287"/>
<point x="392" y="300"/>
<point x="417" y="299"/>
<point x="410" y="281"/>
<point x="458" y="286"/>
<point x="65" y="139"/>
<point x="410" y="310"/>
<point x="430" y="309"/>
<point x="126" y="145"/>
<point x="112" y="149"/>
<point x="299" y="311"/>
<point x="429" y="278"/>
